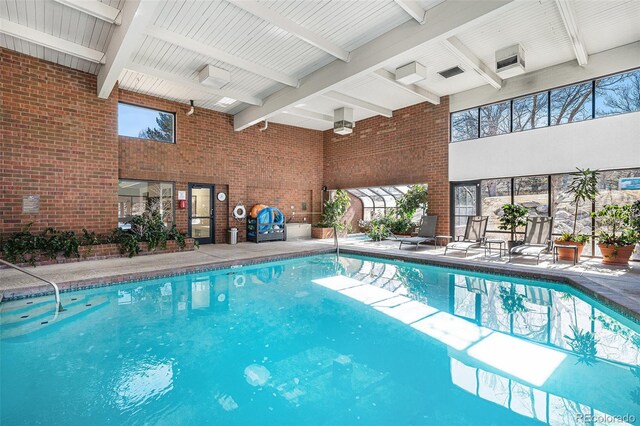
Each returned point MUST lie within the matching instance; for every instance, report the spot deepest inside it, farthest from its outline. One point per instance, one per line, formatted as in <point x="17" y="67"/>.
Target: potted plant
<point x="513" y="217"/>
<point x="616" y="238"/>
<point x="583" y="187"/>
<point x="332" y="214"/>
<point x="635" y="223"/>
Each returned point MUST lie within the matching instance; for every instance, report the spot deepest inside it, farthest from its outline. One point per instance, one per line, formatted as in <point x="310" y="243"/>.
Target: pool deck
<point x="614" y="285"/>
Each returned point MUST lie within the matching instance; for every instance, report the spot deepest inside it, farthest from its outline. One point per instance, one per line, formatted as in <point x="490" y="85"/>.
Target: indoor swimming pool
<point x="320" y="340"/>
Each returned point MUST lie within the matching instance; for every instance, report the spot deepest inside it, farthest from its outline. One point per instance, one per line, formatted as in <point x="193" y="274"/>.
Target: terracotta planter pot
<point x="612" y="255"/>
<point x="567" y="254"/>
<point x="321" y="232"/>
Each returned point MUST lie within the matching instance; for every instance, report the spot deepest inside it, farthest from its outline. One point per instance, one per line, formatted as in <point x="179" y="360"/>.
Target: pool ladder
<point x="56" y="291"/>
<point x="335" y="240"/>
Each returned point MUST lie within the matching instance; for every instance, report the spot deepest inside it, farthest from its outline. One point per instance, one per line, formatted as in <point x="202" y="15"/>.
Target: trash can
<point x="233" y="235"/>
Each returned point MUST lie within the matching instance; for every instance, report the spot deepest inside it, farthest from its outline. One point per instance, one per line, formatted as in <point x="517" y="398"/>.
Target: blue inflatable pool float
<point x="267" y="217"/>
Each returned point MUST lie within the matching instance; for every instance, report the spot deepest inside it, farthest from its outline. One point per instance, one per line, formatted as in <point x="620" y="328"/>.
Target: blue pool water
<point x="358" y="341"/>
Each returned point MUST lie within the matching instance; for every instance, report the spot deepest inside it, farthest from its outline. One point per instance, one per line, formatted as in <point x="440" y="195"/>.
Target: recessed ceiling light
<point x="226" y="101"/>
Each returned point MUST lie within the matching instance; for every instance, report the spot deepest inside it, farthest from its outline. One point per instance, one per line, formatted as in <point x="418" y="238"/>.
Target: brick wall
<point x="281" y="166"/>
<point x="411" y="147"/>
<point x="60" y="141"/>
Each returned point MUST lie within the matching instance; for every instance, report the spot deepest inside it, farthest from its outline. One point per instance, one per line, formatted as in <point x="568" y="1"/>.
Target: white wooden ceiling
<point x="281" y="54"/>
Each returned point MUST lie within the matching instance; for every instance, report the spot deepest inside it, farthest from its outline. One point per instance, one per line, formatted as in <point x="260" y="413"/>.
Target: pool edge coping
<point x="576" y="280"/>
<point x="38" y="290"/>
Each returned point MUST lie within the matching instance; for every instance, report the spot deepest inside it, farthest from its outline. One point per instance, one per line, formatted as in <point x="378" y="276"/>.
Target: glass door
<point x="201" y="213"/>
<point x="465" y="202"/>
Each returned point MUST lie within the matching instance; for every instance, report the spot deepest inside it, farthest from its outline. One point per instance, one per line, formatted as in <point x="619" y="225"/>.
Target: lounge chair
<point x="476" y="285"/>
<point x="537" y="238"/>
<point x="426" y="232"/>
<point x="474" y="235"/>
<point x="539" y="295"/>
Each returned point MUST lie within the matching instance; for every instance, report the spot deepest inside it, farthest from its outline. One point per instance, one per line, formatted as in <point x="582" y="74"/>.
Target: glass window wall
<point x="135" y="197"/>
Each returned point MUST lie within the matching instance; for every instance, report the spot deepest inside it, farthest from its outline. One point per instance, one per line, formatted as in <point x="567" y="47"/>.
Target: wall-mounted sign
<point x="628" y="184"/>
<point x="31" y="204"/>
<point x="182" y="195"/>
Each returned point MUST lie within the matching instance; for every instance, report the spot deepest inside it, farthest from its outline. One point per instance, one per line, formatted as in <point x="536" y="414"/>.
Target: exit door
<point x="201" y="213"/>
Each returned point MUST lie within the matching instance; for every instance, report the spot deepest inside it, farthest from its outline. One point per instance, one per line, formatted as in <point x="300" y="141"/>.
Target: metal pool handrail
<point x="56" y="291"/>
<point x="335" y="240"/>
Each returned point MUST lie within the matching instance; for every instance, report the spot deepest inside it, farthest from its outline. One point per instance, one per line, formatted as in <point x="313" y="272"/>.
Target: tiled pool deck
<point x="619" y="286"/>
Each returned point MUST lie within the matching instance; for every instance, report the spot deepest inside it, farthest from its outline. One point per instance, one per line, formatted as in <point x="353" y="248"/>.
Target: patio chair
<point x="537" y="238"/>
<point x="426" y="232"/>
<point x="474" y="235"/>
<point x="538" y="295"/>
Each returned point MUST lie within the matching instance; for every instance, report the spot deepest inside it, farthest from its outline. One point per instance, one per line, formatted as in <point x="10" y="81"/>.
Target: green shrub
<point x="334" y="210"/>
<point x="615" y="223"/>
<point x="415" y="198"/>
<point x="378" y="231"/>
<point x="25" y="246"/>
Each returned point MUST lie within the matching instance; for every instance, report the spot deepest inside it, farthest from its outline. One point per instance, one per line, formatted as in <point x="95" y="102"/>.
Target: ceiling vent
<point x="214" y="77"/>
<point x="451" y="72"/>
<point x="411" y="73"/>
<point x="510" y="61"/>
<point x="343" y="121"/>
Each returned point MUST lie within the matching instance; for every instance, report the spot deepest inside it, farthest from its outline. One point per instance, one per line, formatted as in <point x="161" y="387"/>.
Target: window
<point x="531" y="112"/>
<point x="495" y="119"/>
<point x="617" y="187"/>
<point x="571" y="103"/>
<point x="145" y="123"/>
<point x="618" y="94"/>
<point x="135" y="197"/>
<point x="464" y="125"/>
<point x="532" y="193"/>
<point x="494" y="194"/>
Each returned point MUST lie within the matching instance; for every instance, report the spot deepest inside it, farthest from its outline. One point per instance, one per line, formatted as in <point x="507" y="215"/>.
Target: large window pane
<point x="145" y="123"/>
<point x="571" y="103"/>
<point x="464" y="125"/>
<point x="495" y="119"/>
<point x="495" y="193"/>
<point x="464" y="199"/>
<point x="563" y="211"/>
<point x="532" y="193"/>
<point x="531" y="112"/>
<point x="136" y="197"/>
<point x="618" y="94"/>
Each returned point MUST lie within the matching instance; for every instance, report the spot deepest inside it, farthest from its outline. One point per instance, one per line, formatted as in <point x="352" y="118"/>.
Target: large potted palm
<point x="583" y="187"/>
<point x="616" y="237"/>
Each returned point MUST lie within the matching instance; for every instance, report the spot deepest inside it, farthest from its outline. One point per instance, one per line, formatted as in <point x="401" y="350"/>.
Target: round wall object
<point x="222" y="196"/>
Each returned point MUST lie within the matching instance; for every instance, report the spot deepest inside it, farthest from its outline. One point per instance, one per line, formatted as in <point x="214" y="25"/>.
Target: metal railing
<point x="335" y="240"/>
<point x="56" y="291"/>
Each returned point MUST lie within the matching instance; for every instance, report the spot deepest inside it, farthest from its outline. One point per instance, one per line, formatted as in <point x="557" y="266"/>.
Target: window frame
<point x="593" y="102"/>
<point x="550" y="194"/>
<point x="173" y="114"/>
<point x="173" y="194"/>
<point x="477" y="110"/>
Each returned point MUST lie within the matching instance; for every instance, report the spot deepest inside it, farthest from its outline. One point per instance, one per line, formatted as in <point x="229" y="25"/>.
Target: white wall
<point x="604" y="143"/>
